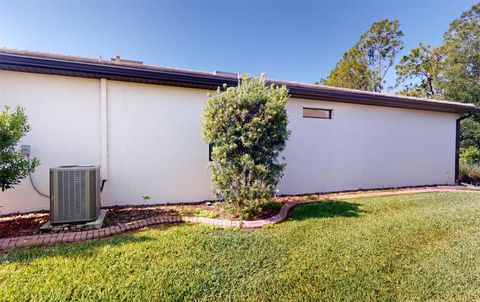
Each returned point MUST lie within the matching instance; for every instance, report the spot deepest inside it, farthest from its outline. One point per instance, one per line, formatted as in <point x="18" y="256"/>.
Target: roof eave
<point x="209" y="81"/>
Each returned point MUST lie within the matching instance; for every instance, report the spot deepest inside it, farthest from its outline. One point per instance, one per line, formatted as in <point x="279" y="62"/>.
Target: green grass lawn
<point x="407" y="247"/>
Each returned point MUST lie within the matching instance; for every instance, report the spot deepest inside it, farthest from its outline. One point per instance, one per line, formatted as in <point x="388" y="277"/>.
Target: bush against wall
<point x="470" y="165"/>
<point x="13" y="165"/>
<point x="470" y="155"/>
<point x="247" y="127"/>
<point x="470" y="173"/>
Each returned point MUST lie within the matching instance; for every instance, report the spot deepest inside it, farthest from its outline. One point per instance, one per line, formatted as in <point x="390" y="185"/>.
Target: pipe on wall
<point x="103" y="130"/>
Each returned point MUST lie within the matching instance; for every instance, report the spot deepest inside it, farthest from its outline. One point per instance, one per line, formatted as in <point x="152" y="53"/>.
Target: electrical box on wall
<point x="26" y="149"/>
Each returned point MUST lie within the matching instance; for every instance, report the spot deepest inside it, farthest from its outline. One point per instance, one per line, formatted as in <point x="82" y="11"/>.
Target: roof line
<point x="45" y="63"/>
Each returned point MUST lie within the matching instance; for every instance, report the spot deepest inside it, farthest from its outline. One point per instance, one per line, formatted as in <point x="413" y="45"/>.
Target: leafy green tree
<point x="366" y="64"/>
<point x="470" y="132"/>
<point x="247" y="126"/>
<point x="462" y="69"/>
<point x="419" y="72"/>
<point x="13" y="164"/>
<point x="462" y="60"/>
<point x="351" y="72"/>
<point x="451" y="71"/>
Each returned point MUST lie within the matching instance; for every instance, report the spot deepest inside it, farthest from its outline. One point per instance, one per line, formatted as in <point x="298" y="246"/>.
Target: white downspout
<point x="103" y="130"/>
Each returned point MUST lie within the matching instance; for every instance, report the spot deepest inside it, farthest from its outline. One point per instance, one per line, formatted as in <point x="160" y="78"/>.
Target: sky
<point x="288" y="40"/>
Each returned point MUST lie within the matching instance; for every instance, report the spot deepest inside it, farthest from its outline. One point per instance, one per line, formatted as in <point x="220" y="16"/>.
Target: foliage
<point x="244" y="209"/>
<point x="470" y="155"/>
<point x="462" y="59"/>
<point x="470" y="173"/>
<point x="418" y="247"/>
<point x="13" y="164"/>
<point x="470" y="132"/>
<point x="366" y="64"/>
<point x="351" y="72"/>
<point x="235" y="211"/>
<point x="470" y="165"/>
<point x="462" y="68"/>
<point x="451" y="71"/>
<point x="423" y="65"/>
<point x="247" y="126"/>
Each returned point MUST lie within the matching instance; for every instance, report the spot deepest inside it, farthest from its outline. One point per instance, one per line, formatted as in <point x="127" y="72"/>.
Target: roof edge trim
<point x="192" y="79"/>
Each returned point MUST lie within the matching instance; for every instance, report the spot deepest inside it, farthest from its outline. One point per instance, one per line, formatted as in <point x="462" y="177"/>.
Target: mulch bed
<point x="13" y="225"/>
<point x="16" y="224"/>
<point x="25" y="224"/>
<point x="123" y="214"/>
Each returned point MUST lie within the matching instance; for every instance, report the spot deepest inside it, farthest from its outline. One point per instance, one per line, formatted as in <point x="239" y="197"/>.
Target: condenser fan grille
<point x="75" y="194"/>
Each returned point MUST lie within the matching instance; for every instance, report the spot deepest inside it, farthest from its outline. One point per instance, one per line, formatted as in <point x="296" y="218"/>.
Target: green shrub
<point x="13" y="165"/>
<point x="470" y="173"/>
<point x="255" y="206"/>
<point x="247" y="126"/>
<point x="273" y="206"/>
<point x="470" y="155"/>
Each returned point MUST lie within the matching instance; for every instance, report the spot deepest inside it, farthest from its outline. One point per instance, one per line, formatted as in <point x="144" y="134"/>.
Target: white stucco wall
<point x="365" y="147"/>
<point x="155" y="145"/>
<point x="64" y="115"/>
<point x="155" y="148"/>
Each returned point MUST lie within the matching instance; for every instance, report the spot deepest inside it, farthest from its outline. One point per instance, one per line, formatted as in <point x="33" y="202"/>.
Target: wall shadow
<point x="326" y="209"/>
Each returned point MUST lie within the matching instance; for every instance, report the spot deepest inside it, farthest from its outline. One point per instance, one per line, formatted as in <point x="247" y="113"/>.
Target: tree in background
<point x="13" y="165"/>
<point x="350" y="72"/>
<point x="247" y="126"/>
<point x="462" y="69"/>
<point x="452" y="72"/>
<point x="419" y="72"/>
<point x="366" y="64"/>
<point x="462" y="58"/>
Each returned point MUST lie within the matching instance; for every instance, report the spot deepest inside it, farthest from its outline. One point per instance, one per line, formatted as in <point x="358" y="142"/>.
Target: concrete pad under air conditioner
<point x="96" y="224"/>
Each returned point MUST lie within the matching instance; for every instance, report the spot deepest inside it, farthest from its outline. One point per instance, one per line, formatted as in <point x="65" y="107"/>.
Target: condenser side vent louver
<point x="74" y="194"/>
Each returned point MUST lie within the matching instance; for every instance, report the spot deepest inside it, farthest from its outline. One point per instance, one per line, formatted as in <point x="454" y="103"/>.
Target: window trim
<point x="330" y="113"/>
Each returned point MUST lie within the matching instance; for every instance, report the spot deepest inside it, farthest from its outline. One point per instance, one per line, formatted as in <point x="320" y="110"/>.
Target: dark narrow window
<point x="317" y="113"/>
<point x="210" y="147"/>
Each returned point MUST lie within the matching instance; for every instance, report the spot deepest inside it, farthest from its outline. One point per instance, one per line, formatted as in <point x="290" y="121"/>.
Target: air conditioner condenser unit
<point x="74" y="194"/>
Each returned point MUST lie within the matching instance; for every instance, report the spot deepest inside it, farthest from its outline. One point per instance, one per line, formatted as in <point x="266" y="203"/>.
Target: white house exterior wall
<point x="364" y="147"/>
<point x="64" y="114"/>
<point x="155" y="148"/>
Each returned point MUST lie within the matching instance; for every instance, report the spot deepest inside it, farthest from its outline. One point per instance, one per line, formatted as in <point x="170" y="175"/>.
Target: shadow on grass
<point x="74" y="249"/>
<point x="326" y="209"/>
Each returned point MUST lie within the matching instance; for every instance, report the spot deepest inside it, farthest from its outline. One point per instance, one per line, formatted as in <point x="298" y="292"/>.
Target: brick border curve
<point x="51" y="238"/>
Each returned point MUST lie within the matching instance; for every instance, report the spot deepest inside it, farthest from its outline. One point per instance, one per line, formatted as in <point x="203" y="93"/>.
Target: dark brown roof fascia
<point x="210" y="81"/>
<point x="383" y="100"/>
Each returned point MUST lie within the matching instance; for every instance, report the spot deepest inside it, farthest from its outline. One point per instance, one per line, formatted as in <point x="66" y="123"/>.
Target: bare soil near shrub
<point x="25" y="224"/>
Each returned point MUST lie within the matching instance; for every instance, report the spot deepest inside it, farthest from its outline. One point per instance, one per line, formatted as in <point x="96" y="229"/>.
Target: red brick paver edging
<point x="51" y="238"/>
